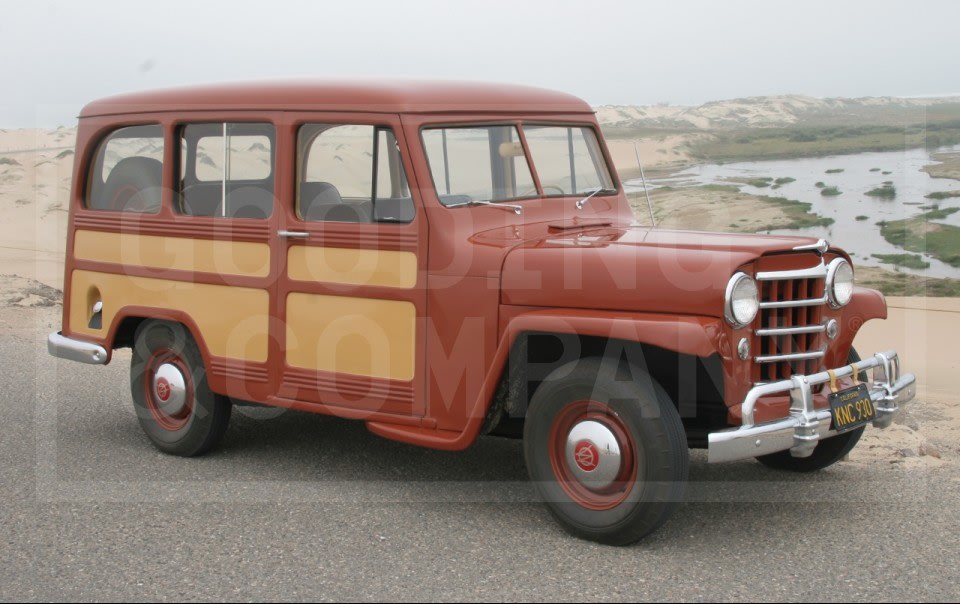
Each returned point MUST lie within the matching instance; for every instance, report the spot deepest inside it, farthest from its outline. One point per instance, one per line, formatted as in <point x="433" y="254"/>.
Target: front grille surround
<point x="789" y="334"/>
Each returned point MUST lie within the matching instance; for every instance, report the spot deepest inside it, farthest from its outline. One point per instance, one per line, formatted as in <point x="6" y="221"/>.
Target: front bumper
<point x="800" y="431"/>
<point x="63" y="347"/>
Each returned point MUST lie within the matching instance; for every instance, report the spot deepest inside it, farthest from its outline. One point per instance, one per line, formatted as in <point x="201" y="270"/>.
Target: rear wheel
<point x="168" y="381"/>
<point x="606" y="450"/>
<point x="827" y="452"/>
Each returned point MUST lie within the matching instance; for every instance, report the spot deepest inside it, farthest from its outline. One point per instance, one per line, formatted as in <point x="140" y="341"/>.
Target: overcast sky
<point x="57" y="56"/>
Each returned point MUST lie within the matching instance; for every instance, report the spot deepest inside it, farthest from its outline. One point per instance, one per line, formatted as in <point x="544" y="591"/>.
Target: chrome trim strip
<point x="814" y="272"/>
<point x="794" y="303"/>
<point x="796" y="356"/>
<point x="789" y="331"/>
<point x="821" y="247"/>
<point x="76" y="350"/>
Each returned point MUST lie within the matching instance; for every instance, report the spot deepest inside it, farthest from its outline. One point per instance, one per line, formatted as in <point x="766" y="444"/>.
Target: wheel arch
<point x="128" y="319"/>
<point x="665" y="347"/>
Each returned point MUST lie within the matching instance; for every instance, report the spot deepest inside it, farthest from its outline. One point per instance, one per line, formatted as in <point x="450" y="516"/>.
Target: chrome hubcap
<point x="169" y="389"/>
<point x="593" y="454"/>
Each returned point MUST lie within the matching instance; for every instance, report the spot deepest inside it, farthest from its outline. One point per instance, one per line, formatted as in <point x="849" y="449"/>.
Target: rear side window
<point x="127" y="171"/>
<point x="227" y="170"/>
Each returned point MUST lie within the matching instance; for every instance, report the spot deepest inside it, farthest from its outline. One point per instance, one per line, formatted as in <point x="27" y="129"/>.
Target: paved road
<point x="300" y="507"/>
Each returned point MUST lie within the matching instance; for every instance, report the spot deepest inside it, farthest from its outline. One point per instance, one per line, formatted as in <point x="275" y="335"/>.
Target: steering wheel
<point x="545" y="186"/>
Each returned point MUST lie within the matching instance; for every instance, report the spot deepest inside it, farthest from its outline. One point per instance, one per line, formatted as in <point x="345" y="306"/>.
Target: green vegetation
<point x="784" y="180"/>
<point x="8" y="161"/>
<point x="720" y="188"/>
<point x="905" y="260"/>
<point x="886" y="173"/>
<point x="919" y="234"/>
<point x="904" y="284"/>
<point x="798" y="212"/>
<point x="819" y="184"/>
<point x="861" y="218"/>
<point x="753" y="182"/>
<point x="834" y="171"/>
<point x="874" y="169"/>
<point x="836" y="133"/>
<point x="830" y="191"/>
<point x="943" y="195"/>
<point x="65" y="153"/>
<point x="888" y="182"/>
<point x="886" y="191"/>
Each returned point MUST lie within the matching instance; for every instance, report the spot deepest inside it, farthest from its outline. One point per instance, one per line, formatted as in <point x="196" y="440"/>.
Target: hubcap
<point x="593" y="454"/>
<point x="169" y="389"/>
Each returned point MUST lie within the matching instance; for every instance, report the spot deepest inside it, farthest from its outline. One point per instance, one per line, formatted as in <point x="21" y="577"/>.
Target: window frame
<point x="183" y="166"/>
<point x="95" y="161"/>
<point x="467" y="125"/>
<point x="300" y="162"/>
<point x="601" y="147"/>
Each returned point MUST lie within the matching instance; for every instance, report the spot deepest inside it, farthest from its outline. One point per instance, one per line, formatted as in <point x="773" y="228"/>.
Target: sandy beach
<point x="35" y="174"/>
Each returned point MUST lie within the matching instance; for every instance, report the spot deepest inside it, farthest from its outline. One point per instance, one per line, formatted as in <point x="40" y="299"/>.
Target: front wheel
<point x="606" y="450"/>
<point x="168" y="381"/>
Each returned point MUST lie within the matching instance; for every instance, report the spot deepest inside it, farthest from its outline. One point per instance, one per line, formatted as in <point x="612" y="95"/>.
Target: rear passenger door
<point x="351" y="298"/>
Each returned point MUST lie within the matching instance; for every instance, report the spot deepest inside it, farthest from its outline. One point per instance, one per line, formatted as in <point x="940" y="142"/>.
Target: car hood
<point x="632" y="268"/>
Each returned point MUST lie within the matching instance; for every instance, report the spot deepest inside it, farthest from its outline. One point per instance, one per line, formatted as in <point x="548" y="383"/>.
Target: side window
<point x="351" y="173"/>
<point x="127" y="170"/>
<point x="227" y="170"/>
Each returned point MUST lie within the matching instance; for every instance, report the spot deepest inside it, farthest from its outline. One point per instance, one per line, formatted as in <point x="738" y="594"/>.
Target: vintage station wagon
<point x="443" y="261"/>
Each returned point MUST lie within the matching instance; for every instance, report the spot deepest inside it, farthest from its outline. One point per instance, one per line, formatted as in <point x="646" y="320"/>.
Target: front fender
<point x="693" y="335"/>
<point x="865" y="305"/>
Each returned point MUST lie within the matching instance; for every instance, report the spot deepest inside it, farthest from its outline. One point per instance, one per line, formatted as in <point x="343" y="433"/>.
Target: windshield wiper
<point x="479" y="202"/>
<point x="583" y="201"/>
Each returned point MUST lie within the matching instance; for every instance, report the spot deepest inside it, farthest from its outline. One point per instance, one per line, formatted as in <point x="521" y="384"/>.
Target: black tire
<point x="164" y="350"/>
<point x="827" y="452"/>
<point x="132" y="186"/>
<point x="651" y="472"/>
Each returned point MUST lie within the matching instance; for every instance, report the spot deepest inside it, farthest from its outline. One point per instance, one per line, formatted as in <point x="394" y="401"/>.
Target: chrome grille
<point x="789" y="334"/>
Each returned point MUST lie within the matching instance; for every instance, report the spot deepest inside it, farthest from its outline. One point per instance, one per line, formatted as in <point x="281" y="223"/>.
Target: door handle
<point x="293" y="234"/>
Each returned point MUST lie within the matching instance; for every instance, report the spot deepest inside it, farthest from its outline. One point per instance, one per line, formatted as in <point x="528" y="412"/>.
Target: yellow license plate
<point x="851" y="408"/>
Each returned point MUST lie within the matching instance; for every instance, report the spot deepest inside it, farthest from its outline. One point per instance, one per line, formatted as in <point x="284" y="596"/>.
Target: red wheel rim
<point x="156" y="392"/>
<point x="569" y="470"/>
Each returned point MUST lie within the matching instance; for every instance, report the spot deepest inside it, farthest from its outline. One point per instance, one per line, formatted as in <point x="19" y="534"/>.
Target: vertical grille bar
<point x="790" y="288"/>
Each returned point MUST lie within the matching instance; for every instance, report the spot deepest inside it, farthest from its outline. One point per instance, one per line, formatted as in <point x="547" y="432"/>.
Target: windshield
<point x="489" y="163"/>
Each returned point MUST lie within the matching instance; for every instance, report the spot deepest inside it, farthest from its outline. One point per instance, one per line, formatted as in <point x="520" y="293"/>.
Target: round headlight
<point x="742" y="300"/>
<point x="839" y="282"/>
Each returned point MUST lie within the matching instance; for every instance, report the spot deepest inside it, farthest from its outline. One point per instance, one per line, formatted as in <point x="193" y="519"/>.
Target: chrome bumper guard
<point x="800" y="431"/>
<point x="76" y="350"/>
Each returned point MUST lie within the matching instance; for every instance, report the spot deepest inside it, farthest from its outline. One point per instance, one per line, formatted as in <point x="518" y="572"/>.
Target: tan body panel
<point x="357" y="336"/>
<point x="174" y="253"/>
<point x="233" y="321"/>
<point x="352" y="266"/>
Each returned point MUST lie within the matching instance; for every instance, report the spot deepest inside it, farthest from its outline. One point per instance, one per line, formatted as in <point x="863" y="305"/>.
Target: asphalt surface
<point x="296" y="507"/>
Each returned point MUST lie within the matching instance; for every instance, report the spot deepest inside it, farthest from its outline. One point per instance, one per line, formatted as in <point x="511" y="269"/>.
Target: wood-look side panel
<point x="174" y="253"/>
<point x="346" y="266"/>
<point x="233" y="321"/>
<point x="356" y="336"/>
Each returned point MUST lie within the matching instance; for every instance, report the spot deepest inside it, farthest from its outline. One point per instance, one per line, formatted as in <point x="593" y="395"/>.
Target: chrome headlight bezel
<point x="839" y="268"/>
<point x="735" y="287"/>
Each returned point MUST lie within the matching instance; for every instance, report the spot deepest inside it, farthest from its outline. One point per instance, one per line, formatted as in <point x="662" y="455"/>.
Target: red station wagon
<point x="444" y="261"/>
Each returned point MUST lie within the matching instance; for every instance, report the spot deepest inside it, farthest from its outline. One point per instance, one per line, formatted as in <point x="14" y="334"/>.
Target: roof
<point x="401" y="96"/>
